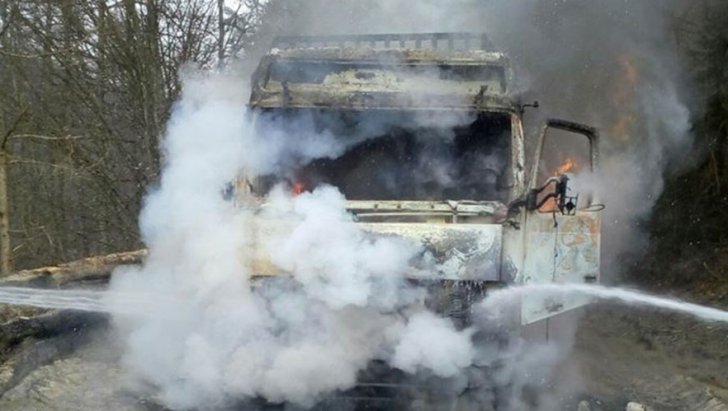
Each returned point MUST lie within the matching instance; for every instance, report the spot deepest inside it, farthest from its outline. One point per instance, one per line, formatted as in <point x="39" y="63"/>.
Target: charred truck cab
<point x="434" y="151"/>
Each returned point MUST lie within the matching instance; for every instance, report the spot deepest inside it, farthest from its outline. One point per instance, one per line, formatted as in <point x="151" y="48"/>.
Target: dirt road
<point x="621" y="354"/>
<point x="666" y="361"/>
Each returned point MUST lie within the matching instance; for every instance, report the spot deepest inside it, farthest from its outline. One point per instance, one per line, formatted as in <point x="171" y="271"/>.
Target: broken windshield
<point x="397" y="155"/>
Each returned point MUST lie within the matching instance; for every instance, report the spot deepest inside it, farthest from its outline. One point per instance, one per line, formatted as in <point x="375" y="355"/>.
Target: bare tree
<point x="98" y="79"/>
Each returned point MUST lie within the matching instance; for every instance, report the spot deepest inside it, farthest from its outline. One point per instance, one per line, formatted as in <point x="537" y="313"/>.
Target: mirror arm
<point x="531" y="199"/>
<point x="544" y="200"/>
<point x="551" y="180"/>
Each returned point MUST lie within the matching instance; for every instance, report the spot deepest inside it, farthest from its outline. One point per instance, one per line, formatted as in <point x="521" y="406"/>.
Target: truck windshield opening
<point x="398" y="155"/>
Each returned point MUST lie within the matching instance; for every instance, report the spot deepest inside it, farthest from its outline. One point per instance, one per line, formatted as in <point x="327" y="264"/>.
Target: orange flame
<point x="298" y="189"/>
<point x="567" y="166"/>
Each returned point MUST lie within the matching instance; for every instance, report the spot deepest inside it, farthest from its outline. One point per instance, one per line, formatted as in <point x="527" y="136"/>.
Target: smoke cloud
<point x="615" y="65"/>
<point x="222" y="337"/>
<point x="611" y="64"/>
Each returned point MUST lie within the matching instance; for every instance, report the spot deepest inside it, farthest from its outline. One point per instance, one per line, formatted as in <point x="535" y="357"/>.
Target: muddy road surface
<point x="666" y="361"/>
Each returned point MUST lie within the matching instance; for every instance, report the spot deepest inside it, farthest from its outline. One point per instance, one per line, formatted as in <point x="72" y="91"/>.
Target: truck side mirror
<point x="561" y="149"/>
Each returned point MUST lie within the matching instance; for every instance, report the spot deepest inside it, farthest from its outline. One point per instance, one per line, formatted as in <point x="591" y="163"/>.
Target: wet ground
<point x="665" y="361"/>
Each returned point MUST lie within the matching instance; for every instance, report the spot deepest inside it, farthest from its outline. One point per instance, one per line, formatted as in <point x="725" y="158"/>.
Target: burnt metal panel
<point x="560" y="249"/>
<point x="410" y="56"/>
<point x="368" y="100"/>
<point x="449" y="251"/>
<point x="518" y="156"/>
<point x="458" y="251"/>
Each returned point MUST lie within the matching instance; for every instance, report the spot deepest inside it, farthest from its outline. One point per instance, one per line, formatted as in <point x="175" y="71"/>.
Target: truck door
<point x="562" y="222"/>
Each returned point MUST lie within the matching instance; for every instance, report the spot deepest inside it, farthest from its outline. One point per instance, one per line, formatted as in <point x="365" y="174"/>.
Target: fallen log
<point x="97" y="268"/>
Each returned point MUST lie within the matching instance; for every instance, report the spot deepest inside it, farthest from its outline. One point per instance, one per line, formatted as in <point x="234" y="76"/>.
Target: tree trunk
<point x="97" y="268"/>
<point x="221" y="32"/>
<point x="6" y="266"/>
<point x="6" y="262"/>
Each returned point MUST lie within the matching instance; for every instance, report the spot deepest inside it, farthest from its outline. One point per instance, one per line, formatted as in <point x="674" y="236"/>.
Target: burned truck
<point x="434" y="150"/>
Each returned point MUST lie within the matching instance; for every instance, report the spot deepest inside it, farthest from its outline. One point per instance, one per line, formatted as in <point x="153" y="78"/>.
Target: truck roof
<point x="455" y="71"/>
<point x="451" y="41"/>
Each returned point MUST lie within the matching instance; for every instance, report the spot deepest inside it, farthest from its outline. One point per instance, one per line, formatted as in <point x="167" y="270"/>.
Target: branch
<point x="49" y="138"/>
<point x="4" y="29"/>
<point x="12" y="128"/>
<point x="25" y="56"/>
<point x="7" y="23"/>
<point x="20" y="160"/>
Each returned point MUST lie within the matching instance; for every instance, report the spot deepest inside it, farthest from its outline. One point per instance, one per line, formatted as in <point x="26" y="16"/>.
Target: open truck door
<point x="562" y="222"/>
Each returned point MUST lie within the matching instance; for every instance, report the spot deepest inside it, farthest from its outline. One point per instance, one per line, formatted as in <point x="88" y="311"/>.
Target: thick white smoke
<point x="431" y="343"/>
<point x="334" y="260"/>
<point x="218" y="337"/>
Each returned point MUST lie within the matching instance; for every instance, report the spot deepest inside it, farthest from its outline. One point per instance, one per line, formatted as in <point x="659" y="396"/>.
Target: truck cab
<point x="433" y="150"/>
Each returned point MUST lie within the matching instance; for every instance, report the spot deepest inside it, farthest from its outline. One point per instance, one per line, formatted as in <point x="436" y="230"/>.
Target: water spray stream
<point x="104" y="301"/>
<point x="507" y="296"/>
<point x="81" y="300"/>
